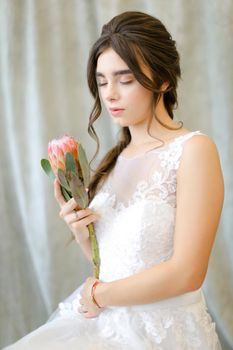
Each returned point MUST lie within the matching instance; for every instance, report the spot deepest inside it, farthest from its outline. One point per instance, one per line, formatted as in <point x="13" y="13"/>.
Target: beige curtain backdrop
<point x="44" y="47"/>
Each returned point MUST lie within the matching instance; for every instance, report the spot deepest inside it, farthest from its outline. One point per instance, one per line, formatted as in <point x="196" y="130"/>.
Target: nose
<point x="112" y="93"/>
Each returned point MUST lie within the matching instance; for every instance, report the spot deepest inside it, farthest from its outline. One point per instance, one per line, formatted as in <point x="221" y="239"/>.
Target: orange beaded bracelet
<point x="92" y="293"/>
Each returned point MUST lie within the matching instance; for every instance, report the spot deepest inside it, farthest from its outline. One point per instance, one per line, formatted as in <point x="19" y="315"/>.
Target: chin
<point x="126" y="123"/>
<point x="119" y="122"/>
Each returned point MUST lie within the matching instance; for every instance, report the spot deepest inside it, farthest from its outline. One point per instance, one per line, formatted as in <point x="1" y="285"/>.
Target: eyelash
<point x="124" y="83"/>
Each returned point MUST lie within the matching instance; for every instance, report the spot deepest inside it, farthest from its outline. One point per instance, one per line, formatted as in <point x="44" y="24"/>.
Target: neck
<point x="139" y="132"/>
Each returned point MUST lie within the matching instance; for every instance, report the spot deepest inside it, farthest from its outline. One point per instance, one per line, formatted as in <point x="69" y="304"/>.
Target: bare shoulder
<point x="200" y="162"/>
<point x="200" y="142"/>
<point x="199" y="150"/>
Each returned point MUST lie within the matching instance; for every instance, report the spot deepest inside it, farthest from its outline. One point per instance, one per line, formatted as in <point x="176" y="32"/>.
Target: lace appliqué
<point x="180" y="328"/>
<point x="163" y="182"/>
<point x="189" y="326"/>
<point x="69" y="309"/>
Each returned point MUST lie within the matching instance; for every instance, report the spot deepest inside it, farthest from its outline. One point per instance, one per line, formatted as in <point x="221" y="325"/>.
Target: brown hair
<point x="137" y="38"/>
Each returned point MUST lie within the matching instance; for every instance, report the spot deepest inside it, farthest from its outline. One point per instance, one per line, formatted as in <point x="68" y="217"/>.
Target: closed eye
<point x="126" y="82"/>
<point x="122" y="82"/>
<point x="101" y="84"/>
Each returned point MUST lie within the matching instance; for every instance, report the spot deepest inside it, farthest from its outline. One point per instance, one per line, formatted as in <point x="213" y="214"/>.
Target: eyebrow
<point x="115" y="73"/>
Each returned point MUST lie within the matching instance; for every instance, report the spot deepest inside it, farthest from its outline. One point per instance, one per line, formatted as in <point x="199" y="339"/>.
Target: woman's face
<point x="126" y="100"/>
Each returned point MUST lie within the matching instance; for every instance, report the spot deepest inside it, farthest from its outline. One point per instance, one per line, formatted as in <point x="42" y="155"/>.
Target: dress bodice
<point x="137" y="207"/>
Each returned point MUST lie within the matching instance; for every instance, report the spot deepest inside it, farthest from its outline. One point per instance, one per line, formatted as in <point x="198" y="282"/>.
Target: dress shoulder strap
<point x="175" y="150"/>
<point x="189" y="135"/>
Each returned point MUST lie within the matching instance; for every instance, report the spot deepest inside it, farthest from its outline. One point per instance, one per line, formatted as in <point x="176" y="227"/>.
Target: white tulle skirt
<point x="179" y="323"/>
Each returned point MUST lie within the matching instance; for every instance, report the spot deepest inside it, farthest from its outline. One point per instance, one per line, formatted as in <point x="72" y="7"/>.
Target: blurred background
<point x="44" y="46"/>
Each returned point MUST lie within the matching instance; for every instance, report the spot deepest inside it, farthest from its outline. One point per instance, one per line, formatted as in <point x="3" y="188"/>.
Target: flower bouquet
<point x="68" y="163"/>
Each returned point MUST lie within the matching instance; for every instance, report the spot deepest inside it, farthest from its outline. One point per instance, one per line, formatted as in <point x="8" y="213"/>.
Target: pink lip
<point x="116" y="111"/>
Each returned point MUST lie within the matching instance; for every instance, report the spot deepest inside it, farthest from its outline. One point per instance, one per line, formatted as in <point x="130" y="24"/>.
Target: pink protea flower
<point x="68" y="163"/>
<point x="57" y="150"/>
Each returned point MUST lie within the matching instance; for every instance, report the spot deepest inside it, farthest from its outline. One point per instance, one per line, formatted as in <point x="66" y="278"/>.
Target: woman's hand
<point x="77" y="219"/>
<point x="88" y="308"/>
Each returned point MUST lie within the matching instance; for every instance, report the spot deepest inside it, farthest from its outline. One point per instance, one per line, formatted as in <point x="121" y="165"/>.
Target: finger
<point x="82" y="309"/>
<point x="79" y="215"/>
<point x="71" y="218"/>
<point x="68" y="207"/>
<point x="83" y="223"/>
<point x="58" y="194"/>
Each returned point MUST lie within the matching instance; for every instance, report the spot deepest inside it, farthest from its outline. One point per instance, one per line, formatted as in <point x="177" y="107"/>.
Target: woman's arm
<point x="200" y="192"/>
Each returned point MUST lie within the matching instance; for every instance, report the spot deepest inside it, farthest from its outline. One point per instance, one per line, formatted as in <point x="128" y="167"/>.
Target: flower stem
<point x="95" y="250"/>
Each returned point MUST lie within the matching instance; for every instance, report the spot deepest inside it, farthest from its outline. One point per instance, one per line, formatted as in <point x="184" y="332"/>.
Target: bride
<point x="155" y="201"/>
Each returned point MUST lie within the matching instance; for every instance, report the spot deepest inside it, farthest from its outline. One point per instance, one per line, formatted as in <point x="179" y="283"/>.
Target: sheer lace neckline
<point x="158" y="148"/>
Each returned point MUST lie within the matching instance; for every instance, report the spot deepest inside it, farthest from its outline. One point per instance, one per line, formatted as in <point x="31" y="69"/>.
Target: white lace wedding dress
<point x="138" y="207"/>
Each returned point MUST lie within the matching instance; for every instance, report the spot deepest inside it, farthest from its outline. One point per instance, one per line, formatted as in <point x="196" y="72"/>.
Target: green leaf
<point x="70" y="162"/>
<point x="47" y="168"/>
<point x="62" y="179"/>
<point x="84" y="165"/>
<point x="78" y="190"/>
<point x="65" y="194"/>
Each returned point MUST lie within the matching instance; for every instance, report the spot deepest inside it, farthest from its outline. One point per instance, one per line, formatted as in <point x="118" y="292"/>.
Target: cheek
<point x="140" y="99"/>
<point x="139" y="92"/>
